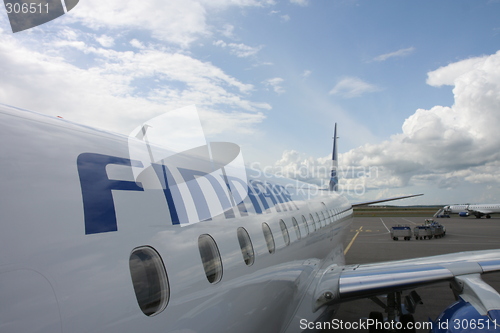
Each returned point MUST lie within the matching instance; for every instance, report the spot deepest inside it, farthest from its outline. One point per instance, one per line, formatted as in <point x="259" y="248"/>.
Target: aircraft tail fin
<point x="334" y="179"/>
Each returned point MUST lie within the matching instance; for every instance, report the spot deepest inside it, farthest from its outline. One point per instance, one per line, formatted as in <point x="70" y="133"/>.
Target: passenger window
<point x="284" y="230"/>
<point x="210" y="257"/>
<point x="320" y="222"/>
<point x="149" y="279"/>
<point x="306" y="225"/>
<point x="268" y="235"/>
<point x="323" y="216"/>
<point x="326" y="216"/>
<point x="296" y="227"/>
<point x="312" y="222"/>
<point x="246" y="246"/>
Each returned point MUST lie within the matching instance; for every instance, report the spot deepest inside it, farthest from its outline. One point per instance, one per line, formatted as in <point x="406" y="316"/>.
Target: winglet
<point x="334" y="179"/>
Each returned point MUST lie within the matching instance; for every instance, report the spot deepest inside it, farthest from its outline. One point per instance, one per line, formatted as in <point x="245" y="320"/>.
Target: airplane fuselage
<point x="477" y="210"/>
<point x="74" y="219"/>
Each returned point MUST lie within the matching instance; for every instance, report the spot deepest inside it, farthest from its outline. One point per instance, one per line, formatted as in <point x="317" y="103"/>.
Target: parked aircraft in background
<point x="95" y="240"/>
<point x="478" y="211"/>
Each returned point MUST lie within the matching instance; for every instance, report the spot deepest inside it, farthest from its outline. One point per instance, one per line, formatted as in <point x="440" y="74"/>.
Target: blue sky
<point x="413" y="85"/>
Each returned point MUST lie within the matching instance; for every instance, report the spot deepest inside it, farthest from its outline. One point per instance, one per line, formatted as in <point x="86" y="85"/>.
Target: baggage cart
<point x="438" y="229"/>
<point x="401" y="231"/>
<point x="423" y="232"/>
<point x="429" y="229"/>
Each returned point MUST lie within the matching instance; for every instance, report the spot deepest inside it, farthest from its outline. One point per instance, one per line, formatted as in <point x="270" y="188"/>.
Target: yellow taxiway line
<point x="352" y="240"/>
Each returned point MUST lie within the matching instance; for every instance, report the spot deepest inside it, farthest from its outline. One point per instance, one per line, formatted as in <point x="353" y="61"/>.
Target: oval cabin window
<point x="306" y="225"/>
<point x="149" y="279"/>
<point x="210" y="257"/>
<point x="268" y="235"/>
<point x="296" y="227"/>
<point x="284" y="230"/>
<point x="311" y="218"/>
<point x="246" y="246"/>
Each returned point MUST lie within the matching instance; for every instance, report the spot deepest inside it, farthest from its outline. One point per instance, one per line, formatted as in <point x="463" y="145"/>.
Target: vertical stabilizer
<point x="334" y="179"/>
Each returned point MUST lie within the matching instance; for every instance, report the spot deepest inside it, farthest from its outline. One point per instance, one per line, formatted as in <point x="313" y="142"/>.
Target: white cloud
<point x="285" y="18"/>
<point x="448" y="74"/>
<point x="300" y="2"/>
<point x="306" y="73"/>
<point x="137" y="44"/>
<point x="275" y="84"/>
<point x="350" y="87"/>
<point x="396" y="54"/>
<point x="180" y="22"/>
<point x="121" y="88"/>
<point x="442" y="147"/>
<point x="106" y="41"/>
<point x="239" y="50"/>
<point x="445" y="140"/>
<point x="296" y="165"/>
<point x="228" y="31"/>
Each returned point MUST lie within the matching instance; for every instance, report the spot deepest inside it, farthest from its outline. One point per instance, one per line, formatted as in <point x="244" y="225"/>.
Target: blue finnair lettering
<point x="98" y="205"/>
<point x="99" y="208"/>
<point x="199" y="199"/>
<point x="166" y="179"/>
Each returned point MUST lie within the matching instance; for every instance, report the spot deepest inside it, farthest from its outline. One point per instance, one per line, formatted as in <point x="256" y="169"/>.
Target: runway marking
<point x="384" y="225"/>
<point x="352" y="240"/>
<point x="408" y="220"/>
<point x="367" y="230"/>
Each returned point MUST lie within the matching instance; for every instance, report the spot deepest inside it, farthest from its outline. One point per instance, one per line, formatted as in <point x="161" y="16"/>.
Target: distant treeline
<point x="420" y="210"/>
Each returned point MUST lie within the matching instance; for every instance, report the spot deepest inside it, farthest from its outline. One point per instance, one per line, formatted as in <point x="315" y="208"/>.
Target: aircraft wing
<point x="462" y="269"/>
<point x="384" y="200"/>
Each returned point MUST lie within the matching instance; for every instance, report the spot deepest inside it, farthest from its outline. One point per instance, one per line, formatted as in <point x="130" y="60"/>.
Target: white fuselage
<point x="56" y="276"/>
<point x="473" y="209"/>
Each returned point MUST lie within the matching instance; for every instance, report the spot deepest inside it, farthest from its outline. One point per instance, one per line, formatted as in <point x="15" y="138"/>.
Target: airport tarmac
<point x="374" y="244"/>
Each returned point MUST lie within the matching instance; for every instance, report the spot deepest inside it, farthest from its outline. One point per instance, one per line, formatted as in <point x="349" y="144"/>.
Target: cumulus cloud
<point x="301" y="166"/>
<point x="446" y="141"/>
<point x="444" y="146"/>
<point x="448" y="74"/>
<point x="350" y="87"/>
